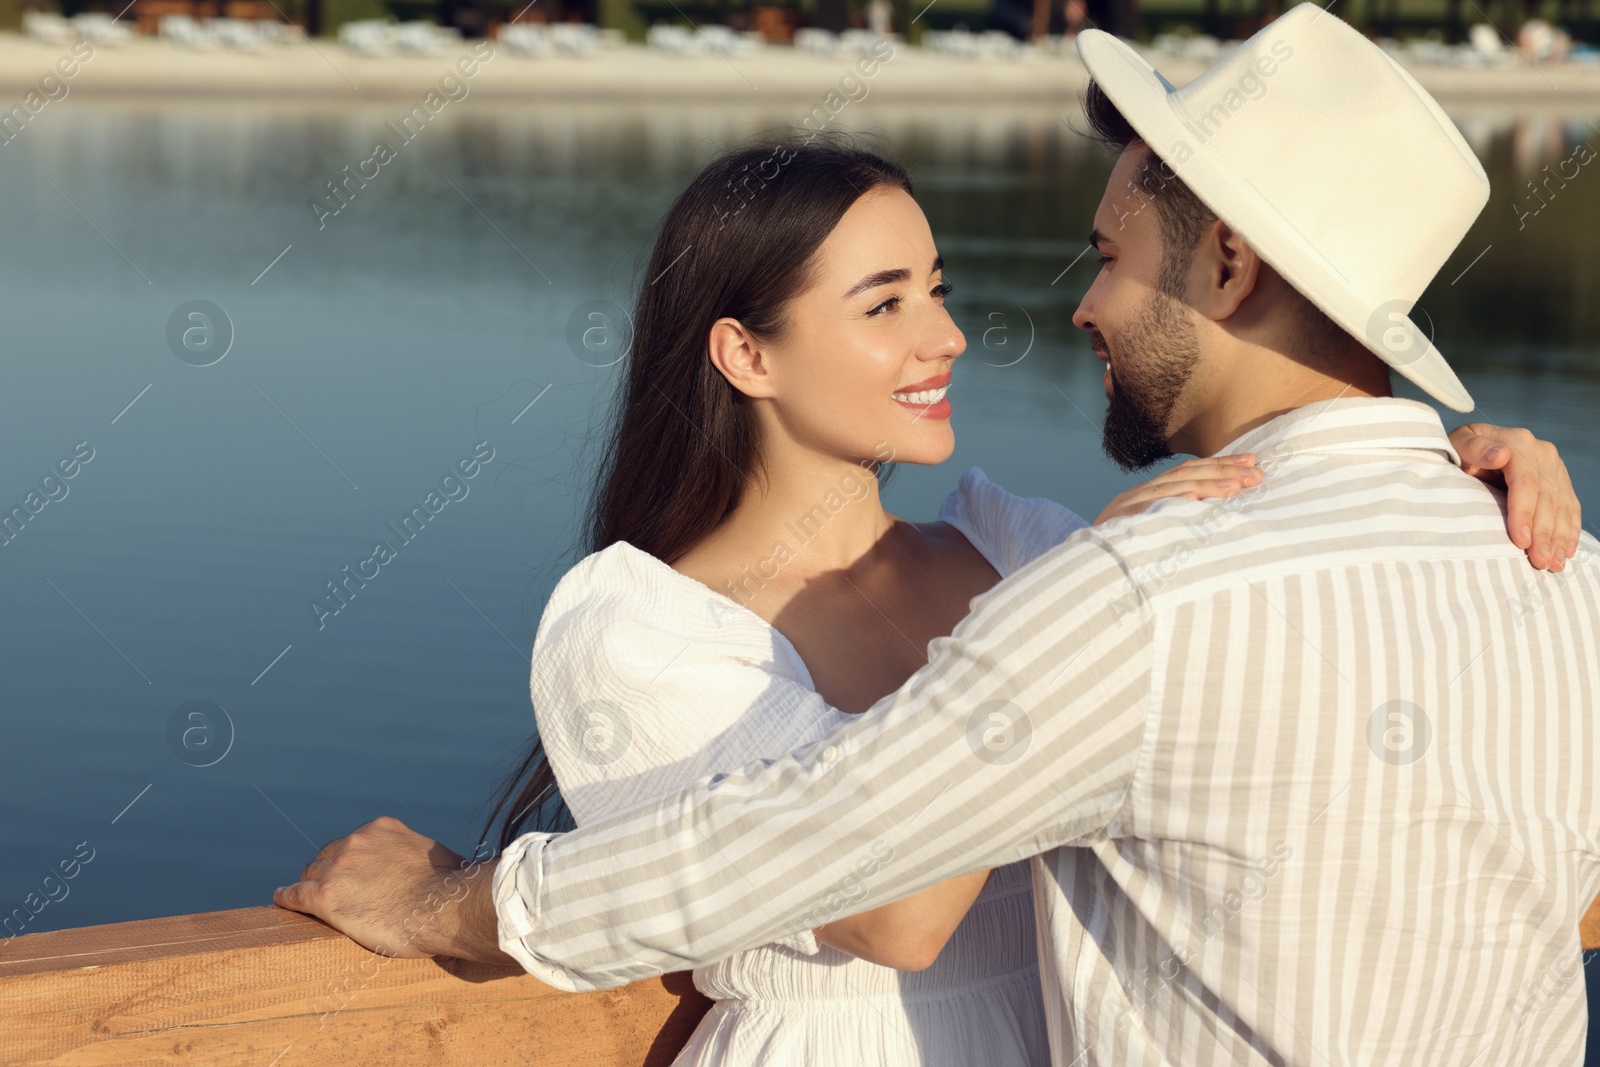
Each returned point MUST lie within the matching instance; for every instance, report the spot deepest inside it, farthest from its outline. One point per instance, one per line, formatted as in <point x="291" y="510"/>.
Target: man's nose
<point x="1083" y="318"/>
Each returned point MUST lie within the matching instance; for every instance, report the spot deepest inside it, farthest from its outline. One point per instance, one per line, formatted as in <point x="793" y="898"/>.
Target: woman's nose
<point x="947" y="341"/>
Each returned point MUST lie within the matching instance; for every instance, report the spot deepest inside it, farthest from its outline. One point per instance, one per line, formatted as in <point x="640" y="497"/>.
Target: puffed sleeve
<point x="643" y="683"/>
<point x="1009" y="530"/>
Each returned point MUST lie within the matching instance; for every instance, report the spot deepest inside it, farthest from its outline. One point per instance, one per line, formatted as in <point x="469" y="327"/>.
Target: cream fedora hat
<point x="1337" y="167"/>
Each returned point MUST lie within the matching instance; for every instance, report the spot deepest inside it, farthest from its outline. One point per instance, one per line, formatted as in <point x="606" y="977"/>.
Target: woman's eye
<point x="1104" y="260"/>
<point x="943" y="289"/>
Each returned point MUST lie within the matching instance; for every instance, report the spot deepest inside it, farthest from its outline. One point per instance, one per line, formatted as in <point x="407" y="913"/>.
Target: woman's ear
<point x="738" y="356"/>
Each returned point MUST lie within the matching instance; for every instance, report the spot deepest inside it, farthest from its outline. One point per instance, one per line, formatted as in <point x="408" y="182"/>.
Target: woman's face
<point x="862" y="369"/>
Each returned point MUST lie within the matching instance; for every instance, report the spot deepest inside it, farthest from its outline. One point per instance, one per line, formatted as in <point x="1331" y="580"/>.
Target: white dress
<point x="644" y="680"/>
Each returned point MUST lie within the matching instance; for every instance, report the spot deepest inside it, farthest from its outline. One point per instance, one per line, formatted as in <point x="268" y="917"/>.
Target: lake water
<point x="368" y="358"/>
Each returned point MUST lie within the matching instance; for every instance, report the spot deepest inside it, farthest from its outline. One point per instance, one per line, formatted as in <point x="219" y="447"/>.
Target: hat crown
<point x="1342" y="143"/>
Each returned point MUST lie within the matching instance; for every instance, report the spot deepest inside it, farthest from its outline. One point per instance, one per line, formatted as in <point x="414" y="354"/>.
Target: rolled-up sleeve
<point x="1021" y="735"/>
<point x="515" y="901"/>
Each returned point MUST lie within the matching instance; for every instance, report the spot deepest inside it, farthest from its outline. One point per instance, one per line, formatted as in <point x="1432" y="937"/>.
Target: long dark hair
<point x="738" y="243"/>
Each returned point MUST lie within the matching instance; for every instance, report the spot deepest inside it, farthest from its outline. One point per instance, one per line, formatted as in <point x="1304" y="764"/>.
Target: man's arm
<point x="402" y="893"/>
<point x="1019" y="736"/>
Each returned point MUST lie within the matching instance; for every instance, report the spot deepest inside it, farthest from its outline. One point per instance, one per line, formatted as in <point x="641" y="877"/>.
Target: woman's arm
<point x="596" y="662"/>
<point x="909" y="934"/>
<point x="1543" y="516"/>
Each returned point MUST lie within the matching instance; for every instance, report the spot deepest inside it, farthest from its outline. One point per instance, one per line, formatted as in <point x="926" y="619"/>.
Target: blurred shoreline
<point x="322" y="69"/>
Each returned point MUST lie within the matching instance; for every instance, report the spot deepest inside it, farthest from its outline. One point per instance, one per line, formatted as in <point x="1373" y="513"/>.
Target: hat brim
<point x="1146" y="100"/>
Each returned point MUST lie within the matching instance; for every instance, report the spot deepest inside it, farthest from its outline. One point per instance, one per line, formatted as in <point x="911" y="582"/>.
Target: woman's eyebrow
<point x="887" y="277"/>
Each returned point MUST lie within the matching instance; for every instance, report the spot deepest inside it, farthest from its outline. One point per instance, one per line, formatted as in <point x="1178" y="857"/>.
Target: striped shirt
<point x="1308" y="776"/>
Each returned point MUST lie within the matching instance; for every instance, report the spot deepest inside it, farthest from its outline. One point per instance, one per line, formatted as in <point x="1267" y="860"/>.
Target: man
<point x="1309" y="775"/>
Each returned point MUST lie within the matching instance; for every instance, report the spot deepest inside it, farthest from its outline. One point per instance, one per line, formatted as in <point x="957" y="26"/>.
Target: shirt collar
<point x="1350" y="425"/>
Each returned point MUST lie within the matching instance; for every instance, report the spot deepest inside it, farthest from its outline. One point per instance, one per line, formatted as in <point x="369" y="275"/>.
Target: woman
<point x="747" y="588"/>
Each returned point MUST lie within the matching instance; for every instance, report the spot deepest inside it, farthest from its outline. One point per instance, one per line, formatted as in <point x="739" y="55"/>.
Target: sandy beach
<point x="325" y="70"/>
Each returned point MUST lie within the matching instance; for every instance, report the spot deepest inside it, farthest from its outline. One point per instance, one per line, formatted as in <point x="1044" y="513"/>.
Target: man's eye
<point x="1104" y="260"/>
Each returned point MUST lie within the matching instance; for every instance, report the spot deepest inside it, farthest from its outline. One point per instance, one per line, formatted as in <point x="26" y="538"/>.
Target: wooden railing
<point x="262" y="987"/>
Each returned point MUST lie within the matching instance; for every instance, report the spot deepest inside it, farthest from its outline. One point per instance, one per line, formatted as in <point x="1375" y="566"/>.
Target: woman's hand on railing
<point x="401" y="894"/>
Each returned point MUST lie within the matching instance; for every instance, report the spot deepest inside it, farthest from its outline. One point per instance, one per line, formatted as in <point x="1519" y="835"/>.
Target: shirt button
<point x="830" y="754"/>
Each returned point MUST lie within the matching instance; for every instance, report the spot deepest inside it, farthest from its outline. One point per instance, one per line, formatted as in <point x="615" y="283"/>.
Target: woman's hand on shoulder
<point x="1543" y="516"/>
<point x="1194" y="479"/>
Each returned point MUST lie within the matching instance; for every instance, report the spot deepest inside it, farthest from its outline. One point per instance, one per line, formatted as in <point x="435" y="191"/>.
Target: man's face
<point x="1145" y="335"/>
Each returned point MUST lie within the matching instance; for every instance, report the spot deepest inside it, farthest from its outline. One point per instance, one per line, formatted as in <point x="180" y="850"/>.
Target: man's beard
<point x="1159" y="353"/>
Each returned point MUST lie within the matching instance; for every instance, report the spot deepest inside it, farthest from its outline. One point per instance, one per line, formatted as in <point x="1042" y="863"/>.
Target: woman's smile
<point x="926" y="398"/>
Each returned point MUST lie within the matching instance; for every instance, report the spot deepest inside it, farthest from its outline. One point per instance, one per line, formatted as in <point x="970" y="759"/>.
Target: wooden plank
<point x="263" y="986"/>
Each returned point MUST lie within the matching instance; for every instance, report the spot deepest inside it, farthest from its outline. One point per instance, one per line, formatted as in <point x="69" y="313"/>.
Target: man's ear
<point x="1228" y="270"/>
<point x="737" y="354"/>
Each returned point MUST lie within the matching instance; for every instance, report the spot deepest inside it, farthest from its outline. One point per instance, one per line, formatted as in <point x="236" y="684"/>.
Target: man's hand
<point x="1542" y="512"/>
<point x="401" y="894"/>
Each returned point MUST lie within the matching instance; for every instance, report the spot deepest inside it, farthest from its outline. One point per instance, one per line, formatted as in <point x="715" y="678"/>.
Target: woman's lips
<point x="927" y="403"/>
<point x="926" y="398"/>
